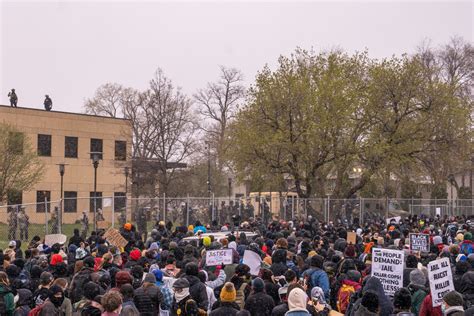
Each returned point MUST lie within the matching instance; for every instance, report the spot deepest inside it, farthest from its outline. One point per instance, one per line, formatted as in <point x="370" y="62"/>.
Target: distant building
<point x="69" y="138"/>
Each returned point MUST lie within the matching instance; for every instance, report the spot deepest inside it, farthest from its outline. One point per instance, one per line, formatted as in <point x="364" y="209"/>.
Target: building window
<point x="70" y="201"/>
<point x="70" y="147"/>
<point x="119" y="201"/>
<point x="120" y="150"/>
<point x="40" y="199"/>
<point x="15" y="143"/>
<point x="44" y="145"/>
<point x="98" y="199"/>
<point x="96" y="147"/>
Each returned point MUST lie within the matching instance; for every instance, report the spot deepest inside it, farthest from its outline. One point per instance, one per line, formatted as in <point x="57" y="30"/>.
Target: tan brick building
<point x="69" y="138"/>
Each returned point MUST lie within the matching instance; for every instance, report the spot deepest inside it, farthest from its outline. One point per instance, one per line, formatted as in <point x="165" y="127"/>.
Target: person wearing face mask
<point x="9" y="305"/>
<point x="452" y="304"/>
<point x="66" y="307"/>
<point x="52" y="306"/>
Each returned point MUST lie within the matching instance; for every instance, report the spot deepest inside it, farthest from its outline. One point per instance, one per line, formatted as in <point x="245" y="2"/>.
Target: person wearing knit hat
<point x="135" y="254"/>
<point x="206" y="241"/>
<point x="418" y="289"/>
<point x="259" y="303"/>
<point x="452" y="304"/>
<point x="226" y="304"/>
<point x="417" y="277"/>
<point x="127" y="226"/>
<point x="297" y="300"/>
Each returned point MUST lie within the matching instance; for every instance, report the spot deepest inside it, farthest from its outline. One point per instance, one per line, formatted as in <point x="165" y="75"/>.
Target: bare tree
<point x="218" y="104"/>
<point x="107" y="100"/>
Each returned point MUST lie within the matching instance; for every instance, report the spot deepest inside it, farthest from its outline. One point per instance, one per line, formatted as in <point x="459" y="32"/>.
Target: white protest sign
<point x="217" y="257"/>
<point x="438" y="211"/>
<point x="420" y="242"/>
<point x="253" y="260"/>
<point x="52" y="239"/>
<point x="387" y="266"/>
<point x="395" y="219"/>
<point x="441" y="279"/>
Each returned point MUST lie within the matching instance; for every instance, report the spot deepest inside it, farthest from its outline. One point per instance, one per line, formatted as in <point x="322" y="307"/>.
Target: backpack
<point x="240" y="296"/>
<point x="466" y="248"/>
<point x="344" y="297"/>
<point x="77" y="286"/>
<point x="36" y="311"/>
<point x="3" y="306"/>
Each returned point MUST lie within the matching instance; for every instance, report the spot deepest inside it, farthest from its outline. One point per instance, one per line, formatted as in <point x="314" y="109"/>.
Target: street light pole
<point x="60" y="219"/>
<point x="95" y="163"/>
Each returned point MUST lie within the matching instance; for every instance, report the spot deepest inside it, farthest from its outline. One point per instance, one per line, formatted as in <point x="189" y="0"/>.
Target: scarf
<point x="184" y="293"/>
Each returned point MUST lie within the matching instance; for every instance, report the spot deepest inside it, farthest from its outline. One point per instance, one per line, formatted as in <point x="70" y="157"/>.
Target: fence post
<point x="46" y="214"/>
<point x="292" y="208"/>
<point x="361" y="216"/>
<point x="164" y="207"/>
<point x="113" y="212"/>
<point x="187" y="210"/>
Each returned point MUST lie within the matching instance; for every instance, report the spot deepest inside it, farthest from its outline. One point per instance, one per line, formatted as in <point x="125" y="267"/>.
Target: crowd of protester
<point x="307" y="268"/>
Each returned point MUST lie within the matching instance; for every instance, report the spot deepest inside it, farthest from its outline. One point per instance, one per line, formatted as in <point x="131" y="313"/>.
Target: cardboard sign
<point x="114" y="237"/>
<point x="420" y="242"/>
<point x="107" y="202"/>
<point x="395" y="219"/>
<point x="52" y="239"/>
<point x="351" y="237"/>
<point x="218" y="257"/>
<point x="387" y="266"/>
<point x="253" y="260"/>
<point x="441" y="279"/>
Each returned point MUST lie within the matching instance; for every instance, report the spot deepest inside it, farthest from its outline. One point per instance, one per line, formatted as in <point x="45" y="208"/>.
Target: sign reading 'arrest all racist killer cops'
<point x="441" y="279"/>
<point x="387" y="266"/>
<point x="420" y="242"/>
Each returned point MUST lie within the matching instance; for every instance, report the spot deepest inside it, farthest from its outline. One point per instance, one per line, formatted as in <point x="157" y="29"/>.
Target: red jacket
<point x="427" y="308"/>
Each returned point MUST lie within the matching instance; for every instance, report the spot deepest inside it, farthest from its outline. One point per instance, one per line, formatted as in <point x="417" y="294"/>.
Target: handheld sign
<point x="395" y="220"/>
<point x="351" y="237"/>
<point x="387" y="266"/>
<point x="52" y="239"/>
<point x="114" y="237"/>
<point x="253" y="260"/>
<point x="441" y="279"/>
<point x="217" y="257"/>
<point x="420" y="242"/>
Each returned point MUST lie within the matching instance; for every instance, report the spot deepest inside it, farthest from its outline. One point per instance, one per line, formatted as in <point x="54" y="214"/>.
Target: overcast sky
<point x="67" y="49"/>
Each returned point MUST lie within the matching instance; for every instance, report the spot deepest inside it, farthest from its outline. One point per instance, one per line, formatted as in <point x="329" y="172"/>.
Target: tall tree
<point x="218" y="104"/>
<point x="20" y="167"/>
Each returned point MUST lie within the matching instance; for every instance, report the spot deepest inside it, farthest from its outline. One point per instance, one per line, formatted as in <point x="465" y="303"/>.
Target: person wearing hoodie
<point x="226" y="304"/>
<point x="197" y="289"/>
<point x="297" y="300"/>
<point x="410" y="265"/>
<point x="259" y="303"/>
<point x="23" y="305"/>
<point x="418" y="290"/>
<point x="402" y="303"/>
<point x="373" y="284"/>
<point x="167" y="293"/>
<point x="452" y="304"/>
<point x="202" y="275"/>
<point x="75" y="239"/>
<point x="52" y="305"/>
<point x="350" y="284"/>
<point x="369" y="305"/>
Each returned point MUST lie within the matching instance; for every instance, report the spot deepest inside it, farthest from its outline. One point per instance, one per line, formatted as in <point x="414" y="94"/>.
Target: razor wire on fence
<point x="87" y="214"/>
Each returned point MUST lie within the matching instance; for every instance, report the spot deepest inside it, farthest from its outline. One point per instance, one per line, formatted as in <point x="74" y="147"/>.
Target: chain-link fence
<point x="21" y="222"/>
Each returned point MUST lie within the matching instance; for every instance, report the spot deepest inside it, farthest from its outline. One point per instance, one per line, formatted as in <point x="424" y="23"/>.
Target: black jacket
<point x="280" y="310"/>
<point x="148" y="300"/>
<point x="225" y="309"/>
<point x="198" y="292"/>
<point x="259" y="304"/>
